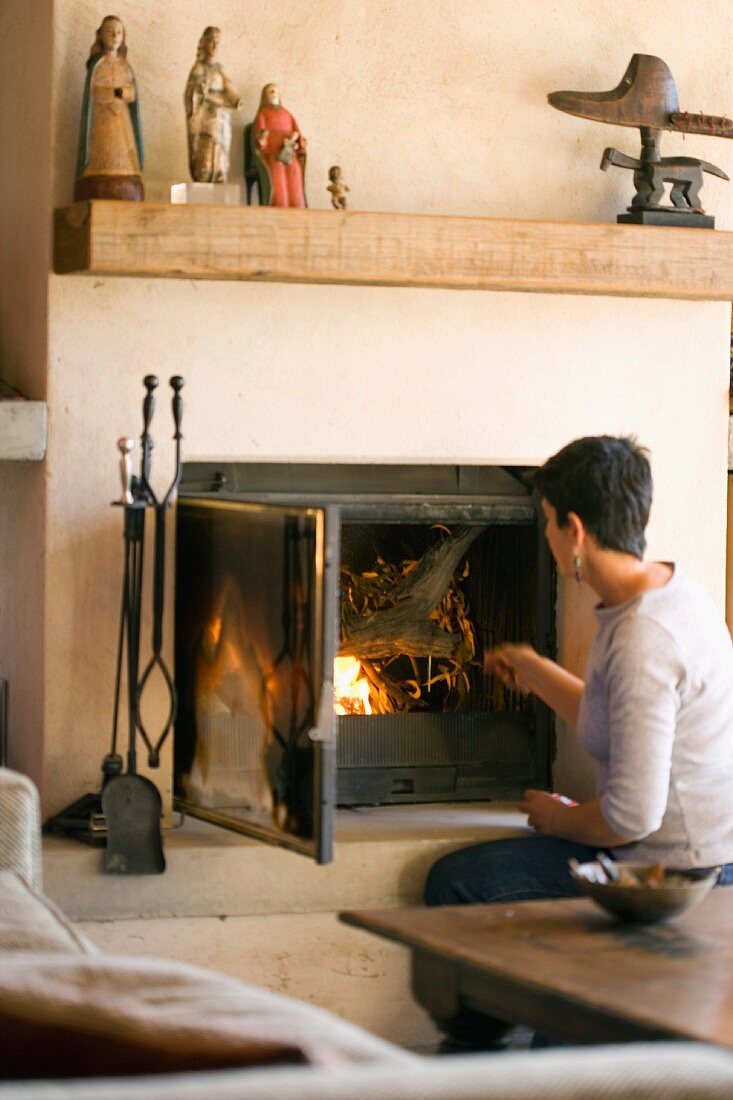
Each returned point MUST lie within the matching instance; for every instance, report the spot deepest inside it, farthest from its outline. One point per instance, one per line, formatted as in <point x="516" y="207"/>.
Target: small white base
<point x="208" y="194"/>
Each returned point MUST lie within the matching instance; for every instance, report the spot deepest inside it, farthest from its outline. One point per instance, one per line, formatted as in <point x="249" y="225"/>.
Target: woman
<point x="110" y="153"/>
<point x="655" y="709"/>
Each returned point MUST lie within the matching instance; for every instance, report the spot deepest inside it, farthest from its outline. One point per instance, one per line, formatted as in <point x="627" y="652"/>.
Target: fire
<point x="350" y="687"/>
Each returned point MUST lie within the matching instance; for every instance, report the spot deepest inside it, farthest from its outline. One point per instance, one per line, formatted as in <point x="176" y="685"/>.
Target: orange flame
<point x="350" y="687"/>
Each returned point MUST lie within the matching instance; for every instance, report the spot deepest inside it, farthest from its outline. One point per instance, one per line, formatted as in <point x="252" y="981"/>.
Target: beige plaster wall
<point x="25" y="210"/>
<point x="458" y="377"/>
<point x="428" y="107"/>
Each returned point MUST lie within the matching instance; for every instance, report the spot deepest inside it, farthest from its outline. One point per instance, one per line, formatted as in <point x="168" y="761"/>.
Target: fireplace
<point x="330" y="627"/>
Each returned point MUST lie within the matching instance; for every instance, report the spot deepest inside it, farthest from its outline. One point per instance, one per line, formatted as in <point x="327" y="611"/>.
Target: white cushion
<point x="30" y="922"/>
<point x="77" y="1014"/>
<point x="20" y="827"/>
<point x="657" y="1071"/>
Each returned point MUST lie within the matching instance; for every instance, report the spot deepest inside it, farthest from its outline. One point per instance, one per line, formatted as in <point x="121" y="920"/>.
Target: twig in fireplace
<point x="407" y="610"/>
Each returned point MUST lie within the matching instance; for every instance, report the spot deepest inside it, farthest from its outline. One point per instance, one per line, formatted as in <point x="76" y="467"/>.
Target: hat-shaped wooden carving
<point x="647" y="98"/>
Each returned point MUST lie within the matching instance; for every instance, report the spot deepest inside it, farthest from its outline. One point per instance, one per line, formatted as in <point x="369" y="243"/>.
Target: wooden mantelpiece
<point x="415" y="250"/>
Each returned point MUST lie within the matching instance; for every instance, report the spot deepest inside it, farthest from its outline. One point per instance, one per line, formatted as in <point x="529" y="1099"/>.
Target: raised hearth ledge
<point x="413" y="250"/>
<point x="382" y="856"/>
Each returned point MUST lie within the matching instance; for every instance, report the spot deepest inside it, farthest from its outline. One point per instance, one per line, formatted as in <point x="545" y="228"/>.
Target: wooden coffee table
<point x="569" y="970"/>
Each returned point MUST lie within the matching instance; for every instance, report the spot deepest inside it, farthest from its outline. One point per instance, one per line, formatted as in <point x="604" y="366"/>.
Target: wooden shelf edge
<point x="160" y="240"/>
<point x="23" y="430"/>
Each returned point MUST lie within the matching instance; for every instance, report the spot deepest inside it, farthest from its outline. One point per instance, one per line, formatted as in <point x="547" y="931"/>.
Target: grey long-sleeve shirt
<point x="657" y="716"/>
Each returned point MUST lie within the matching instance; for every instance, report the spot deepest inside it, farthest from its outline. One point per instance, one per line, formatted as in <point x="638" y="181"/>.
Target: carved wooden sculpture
<point x="647" y="98"/>
<point x="209" y="99"/>
<point x="110" y="153"/>
<point x="338" y="188"/>
<point x="275" y="154"/>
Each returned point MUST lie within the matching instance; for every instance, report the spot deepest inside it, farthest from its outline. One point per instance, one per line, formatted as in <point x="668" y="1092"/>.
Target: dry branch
<point x="406" y="627"/>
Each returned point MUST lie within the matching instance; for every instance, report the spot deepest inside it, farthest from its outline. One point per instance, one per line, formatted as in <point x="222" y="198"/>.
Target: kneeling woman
<point x="655" y="709"/>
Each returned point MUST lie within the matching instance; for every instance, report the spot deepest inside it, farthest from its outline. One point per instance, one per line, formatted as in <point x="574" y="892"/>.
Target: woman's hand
<point x="512" y="664"/>
<point x="521" y="668"/>
<point x="555" y="815"/>
<point x="542" y="810"/>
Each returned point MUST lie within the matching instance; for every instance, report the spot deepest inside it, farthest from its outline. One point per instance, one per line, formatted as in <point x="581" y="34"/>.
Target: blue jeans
<point x="516" y="869"/>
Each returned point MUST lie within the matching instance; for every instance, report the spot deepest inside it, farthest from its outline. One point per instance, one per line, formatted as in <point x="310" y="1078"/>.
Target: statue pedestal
<point x="208" y="194"/>
<point x="687" y="218"/>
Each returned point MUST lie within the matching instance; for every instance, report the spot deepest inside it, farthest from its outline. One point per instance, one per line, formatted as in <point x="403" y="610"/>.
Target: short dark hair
<point x="607" y="482"/>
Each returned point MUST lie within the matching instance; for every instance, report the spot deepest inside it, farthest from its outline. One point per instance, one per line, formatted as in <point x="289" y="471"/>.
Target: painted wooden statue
<point x="210" y="97"/>
<point x="110" y="154"/>
<point x="275" y="149"/>
<point x="337" y="187"/>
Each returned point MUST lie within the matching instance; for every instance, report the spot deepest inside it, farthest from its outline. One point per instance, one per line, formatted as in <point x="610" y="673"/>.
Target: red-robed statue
<point x="279" y="152"/>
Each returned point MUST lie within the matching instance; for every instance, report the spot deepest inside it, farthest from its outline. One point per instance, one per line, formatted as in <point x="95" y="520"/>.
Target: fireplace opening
<point x="331" y="624"/>
<point x="428" y="724"/>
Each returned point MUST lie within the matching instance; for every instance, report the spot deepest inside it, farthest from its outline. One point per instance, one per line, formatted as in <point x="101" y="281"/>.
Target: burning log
<point x="405" y="627"/>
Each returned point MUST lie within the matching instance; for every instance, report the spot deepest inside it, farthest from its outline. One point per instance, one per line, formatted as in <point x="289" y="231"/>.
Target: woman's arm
<point x="643" y="677"/>
<point x="584" y="824"/>
<point x="642" y="671"/>
<point x="521" y="668"/>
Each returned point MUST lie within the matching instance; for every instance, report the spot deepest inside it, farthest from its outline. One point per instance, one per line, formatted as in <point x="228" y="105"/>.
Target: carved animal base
<point x="684" y="218"/>
<point x="129" y="188"/>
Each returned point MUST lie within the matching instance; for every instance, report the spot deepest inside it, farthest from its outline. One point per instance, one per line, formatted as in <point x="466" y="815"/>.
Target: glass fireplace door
<point x="256" y="622"/>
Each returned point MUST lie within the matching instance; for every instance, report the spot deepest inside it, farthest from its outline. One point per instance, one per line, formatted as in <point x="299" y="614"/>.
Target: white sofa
<point x="83" y="1019"/>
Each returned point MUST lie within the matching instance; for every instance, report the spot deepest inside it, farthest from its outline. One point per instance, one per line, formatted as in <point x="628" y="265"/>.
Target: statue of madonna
<point x="110" y="154"/>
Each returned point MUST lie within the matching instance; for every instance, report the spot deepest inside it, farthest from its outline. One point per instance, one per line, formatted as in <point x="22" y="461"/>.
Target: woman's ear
<point x="577" y="530"/>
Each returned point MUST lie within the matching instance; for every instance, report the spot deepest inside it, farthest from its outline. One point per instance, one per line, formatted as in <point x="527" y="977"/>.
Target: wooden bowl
<point x="679" y="891"/>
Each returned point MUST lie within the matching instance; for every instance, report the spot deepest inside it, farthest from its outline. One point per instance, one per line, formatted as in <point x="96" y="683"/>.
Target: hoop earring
<point x="578" y="565"/>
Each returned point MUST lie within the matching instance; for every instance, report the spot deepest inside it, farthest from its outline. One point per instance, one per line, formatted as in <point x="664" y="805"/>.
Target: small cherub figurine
<point x="337" y="188"/>
<point x="209" y="99"/>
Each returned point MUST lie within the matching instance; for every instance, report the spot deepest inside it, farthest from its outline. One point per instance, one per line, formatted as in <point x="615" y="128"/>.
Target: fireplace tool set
<point x="128" y="813"/>
<point x="131" y="803"/>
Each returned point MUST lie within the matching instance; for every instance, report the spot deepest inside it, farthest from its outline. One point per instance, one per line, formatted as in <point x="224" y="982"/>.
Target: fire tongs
<point x="131" y="803"/>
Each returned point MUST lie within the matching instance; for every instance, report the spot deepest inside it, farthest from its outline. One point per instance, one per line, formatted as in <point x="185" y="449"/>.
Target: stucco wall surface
<point x="433" y="108"/>
<point x="25" y="247"/>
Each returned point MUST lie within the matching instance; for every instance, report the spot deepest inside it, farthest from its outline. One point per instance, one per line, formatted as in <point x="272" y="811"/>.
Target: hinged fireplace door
<point x="255" y="635"/>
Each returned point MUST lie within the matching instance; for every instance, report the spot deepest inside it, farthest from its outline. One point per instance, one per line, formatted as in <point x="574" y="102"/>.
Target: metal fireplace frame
<point x="386" y="494"/>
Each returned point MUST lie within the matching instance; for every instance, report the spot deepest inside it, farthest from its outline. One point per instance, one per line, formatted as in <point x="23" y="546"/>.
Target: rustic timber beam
<point x="414" y="250"/>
